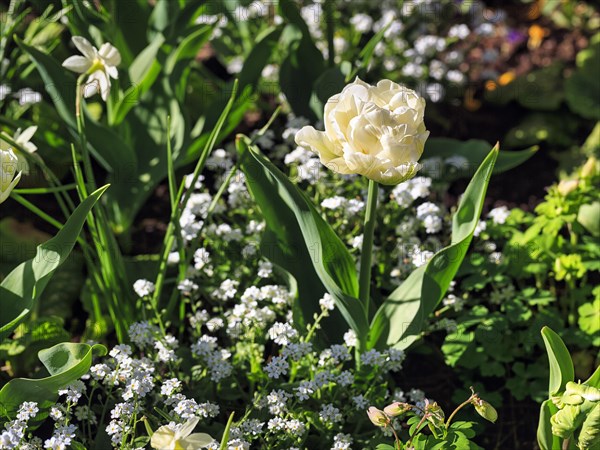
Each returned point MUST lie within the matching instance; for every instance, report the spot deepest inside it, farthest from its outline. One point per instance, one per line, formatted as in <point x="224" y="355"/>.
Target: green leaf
<point x="582" y="89"/>
<point x="65" y="362"/>
<point x="594" y="380"/>
<point x="22" y="287"/>
<point x="475" y="151"/>
<point x="189" y="47"/>
<point x="400" y="319"/>
<point x="143" y="72"/>
<point x="561" y="365"/>
<point x="589" y="218"/>
<point x="260" y="55"/>
<point x="301" y="242"/>
<point x="546" y="440"/>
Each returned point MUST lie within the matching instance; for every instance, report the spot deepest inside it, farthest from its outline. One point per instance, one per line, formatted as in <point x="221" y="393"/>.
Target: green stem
<point x="367" y="247"/>
<point x="458" y="408"/>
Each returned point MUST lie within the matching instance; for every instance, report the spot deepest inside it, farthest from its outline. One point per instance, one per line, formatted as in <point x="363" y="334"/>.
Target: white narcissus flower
<point x="23" y="140"/>
<point x="8" y="168"/>
<point x="179" y="437"/>
<point x="375" y="131"/>
<point x="101" y="65"/>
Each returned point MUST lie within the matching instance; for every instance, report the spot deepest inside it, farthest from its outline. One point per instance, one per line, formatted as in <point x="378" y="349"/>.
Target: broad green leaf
<point x="589" y="217"/>
<point x="106" y="145"/>
<point x="259" y="56"/>
<point x="65" y="362"/>
<point x="561" y="365"/>
<point x="299" y="240"/>
<point x="582" y="88"/>
<point x="22" y="287"/>
<point x="474" y="151"/>
<point x="400" y="319"/>
<point x="302" y="66"/>
<point x="189" y="47"/>
<point x="143" y="73"/>
<point x="594" y="380"/>
<point x="546" y="440"/>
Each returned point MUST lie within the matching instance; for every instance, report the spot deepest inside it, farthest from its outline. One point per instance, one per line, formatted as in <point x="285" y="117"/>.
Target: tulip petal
<point x="84" y="46"/>
<point x="78" y="64"/>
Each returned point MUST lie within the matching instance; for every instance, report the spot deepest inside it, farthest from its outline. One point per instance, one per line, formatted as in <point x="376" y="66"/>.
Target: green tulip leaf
<point x="300" y="241"/>
<point x="401" y="317"/>
<point x="561" y="365"/>
<point x="22" y="287"/>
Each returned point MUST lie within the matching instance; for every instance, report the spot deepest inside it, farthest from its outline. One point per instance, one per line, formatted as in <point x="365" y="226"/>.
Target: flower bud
<point x="590" y="168"/>
<point x="485" y="410"/>
<point x="378" y="417"/>
<point x="396" y="409"/>
<point x="565" y="187"/>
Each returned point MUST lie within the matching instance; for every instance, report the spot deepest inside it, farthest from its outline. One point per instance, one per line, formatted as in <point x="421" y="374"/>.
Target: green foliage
<point x="582" y="89"/>
<point x="298" y="238"/>
<point x="571" y="413"/>
<point x="22" y="288"/>
<point x="64" y="362"/>
<point x="414" y="300"/>
<point x="531" y="271"/>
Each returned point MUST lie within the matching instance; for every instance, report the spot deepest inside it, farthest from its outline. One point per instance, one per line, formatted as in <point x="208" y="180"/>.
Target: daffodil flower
<point x="23" y="140"/>
<point x="8" y="169"/>
<point x="101" y="65"/>
<point x="179" y="437"/>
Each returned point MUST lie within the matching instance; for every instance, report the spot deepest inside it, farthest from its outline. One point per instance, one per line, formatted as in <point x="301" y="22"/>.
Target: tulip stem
<point x="367" y="247"/>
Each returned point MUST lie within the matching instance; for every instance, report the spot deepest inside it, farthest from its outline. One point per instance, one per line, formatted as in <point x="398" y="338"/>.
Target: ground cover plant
<point x="299" y="225"/>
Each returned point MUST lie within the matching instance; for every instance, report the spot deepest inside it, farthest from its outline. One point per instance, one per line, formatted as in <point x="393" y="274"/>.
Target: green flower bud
<point x="590" y="430"/>
<point x="485" y="410"/>
<point x="378" y="417"/>
<point x="396" y="409"/>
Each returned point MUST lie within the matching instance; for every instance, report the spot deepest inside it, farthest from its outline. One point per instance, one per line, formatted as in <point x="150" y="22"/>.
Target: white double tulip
<point x="375" y="131"/>
<point x="101" y="65"/>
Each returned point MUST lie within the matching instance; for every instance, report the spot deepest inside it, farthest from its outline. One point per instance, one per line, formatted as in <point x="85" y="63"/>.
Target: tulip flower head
<point x="101" y="65"/>
<point x="374" y="131"/>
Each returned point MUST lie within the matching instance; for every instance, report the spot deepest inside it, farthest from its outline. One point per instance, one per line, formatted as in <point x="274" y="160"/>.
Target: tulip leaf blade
<point x="300" y="241"/>
<point x="23" y="286"/>
<point x="474" y="151"/>
<point x="561" y="365"/>
<point x="400" y="319"/>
